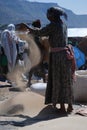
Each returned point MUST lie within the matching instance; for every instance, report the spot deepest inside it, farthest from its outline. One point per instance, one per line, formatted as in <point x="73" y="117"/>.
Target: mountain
<point x="24" y="11"/>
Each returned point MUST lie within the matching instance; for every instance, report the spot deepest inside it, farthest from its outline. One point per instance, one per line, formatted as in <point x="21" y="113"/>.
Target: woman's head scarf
<point x="56" y="12"/>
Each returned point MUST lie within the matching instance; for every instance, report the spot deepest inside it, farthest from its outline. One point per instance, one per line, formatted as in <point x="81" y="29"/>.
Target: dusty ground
<point x="25" y="110"/>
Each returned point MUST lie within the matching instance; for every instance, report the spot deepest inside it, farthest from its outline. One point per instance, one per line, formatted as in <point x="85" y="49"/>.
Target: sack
<point x="70" y="56"/>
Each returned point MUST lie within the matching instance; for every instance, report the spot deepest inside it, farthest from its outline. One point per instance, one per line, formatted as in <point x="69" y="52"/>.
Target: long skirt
<point x="59" y="86"/>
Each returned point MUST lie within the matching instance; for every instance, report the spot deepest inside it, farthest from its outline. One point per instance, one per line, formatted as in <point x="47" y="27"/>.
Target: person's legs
<point x="70" y="108"/>
<point x="62" y="107"/>
<point x="54" y="105"/>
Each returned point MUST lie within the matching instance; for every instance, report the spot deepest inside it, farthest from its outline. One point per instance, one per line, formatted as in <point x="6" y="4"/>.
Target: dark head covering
<point x="36" y="23"/>
<point x="56" y="12"/>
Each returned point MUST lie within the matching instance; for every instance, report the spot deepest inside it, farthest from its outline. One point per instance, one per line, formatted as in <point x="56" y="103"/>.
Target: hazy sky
<point x="77" y="6"/>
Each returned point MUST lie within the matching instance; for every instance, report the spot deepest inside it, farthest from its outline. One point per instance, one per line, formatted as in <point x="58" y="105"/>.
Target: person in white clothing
<point x="8" y="41"/>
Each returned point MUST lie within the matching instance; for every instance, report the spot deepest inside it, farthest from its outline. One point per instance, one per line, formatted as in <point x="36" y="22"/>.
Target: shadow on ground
<point x="46" y="113"/>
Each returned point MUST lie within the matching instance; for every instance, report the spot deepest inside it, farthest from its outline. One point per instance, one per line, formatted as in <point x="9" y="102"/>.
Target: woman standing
<point x="59" y="86"/>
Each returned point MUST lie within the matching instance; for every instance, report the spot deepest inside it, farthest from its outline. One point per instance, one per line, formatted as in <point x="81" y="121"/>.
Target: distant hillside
<point x="16" y="11"/>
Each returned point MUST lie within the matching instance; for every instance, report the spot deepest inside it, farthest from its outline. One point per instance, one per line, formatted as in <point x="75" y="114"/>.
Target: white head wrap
<point x="11" y="27"/>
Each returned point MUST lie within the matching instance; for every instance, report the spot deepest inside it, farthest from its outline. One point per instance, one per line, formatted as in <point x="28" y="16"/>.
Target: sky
<point x="77" y="6"/>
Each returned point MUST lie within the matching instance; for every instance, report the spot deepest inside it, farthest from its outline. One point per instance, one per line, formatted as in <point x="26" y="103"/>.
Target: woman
<point x="59" y="86"/>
